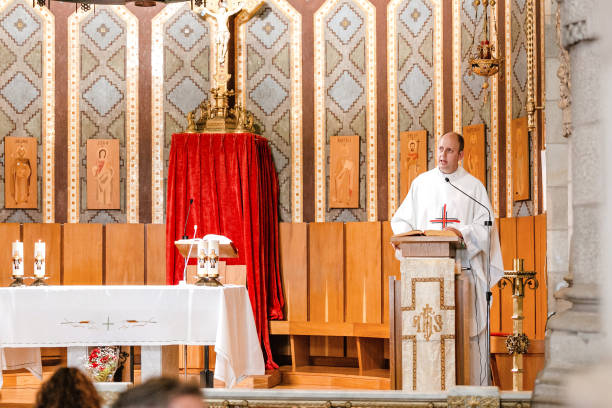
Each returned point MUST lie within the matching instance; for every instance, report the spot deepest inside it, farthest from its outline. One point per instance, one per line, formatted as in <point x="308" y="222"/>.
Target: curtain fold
<point x="234" y="186"/>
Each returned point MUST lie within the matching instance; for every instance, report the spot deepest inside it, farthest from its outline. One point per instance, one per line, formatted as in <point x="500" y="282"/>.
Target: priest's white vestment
<point x="432" y="204"/>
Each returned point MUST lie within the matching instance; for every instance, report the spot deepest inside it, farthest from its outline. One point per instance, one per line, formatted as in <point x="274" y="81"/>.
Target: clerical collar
<point x="451" y="176"/>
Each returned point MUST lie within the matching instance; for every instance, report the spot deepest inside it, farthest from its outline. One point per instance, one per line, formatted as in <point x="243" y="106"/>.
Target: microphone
<point x="489" y="294"/>
<point x="187" y="219"/>
<point x="487" y="223"/>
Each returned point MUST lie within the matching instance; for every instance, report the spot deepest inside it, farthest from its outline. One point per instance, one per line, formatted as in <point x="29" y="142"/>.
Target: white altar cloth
<point x="64" y="316"/>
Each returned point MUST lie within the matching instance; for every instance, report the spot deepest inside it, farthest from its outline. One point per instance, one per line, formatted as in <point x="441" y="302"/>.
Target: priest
<point x="435" y="202"/>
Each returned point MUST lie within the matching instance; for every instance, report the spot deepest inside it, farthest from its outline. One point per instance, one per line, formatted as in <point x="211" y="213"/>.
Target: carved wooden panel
<point x="20" y="172"/>
<point x="474" y="159"/>
<point x="520" y="159"/>
<point x="103" y="174"/>
<point x="413" y="158"/>
<point x="344" y="172"/>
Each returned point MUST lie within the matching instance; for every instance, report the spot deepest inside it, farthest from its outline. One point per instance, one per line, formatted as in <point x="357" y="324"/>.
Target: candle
<point x="213" y="253"/>
<point x="202" y="258"/>
<point x="39" y="259"/>
<point x="17" y="258"/>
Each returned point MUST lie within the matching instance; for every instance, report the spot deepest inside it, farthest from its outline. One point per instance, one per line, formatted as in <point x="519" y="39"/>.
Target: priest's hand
<point x="455" y="231"/>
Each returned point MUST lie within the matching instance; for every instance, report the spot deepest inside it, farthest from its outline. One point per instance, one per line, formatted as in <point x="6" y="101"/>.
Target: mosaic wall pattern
<point x="268" y="88"/>
<point x="519" y="89"/>
<point x="21" y="92"/>
<point x="474" y="108"/>
<point x="345" y="94"/>
<point x="186" y="72"/>
<point x="415" y="68"/>
<point x="102" y="105"/>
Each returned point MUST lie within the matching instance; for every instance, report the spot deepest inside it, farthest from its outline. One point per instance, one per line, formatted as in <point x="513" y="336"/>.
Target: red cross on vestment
<point x="444" y="219"/>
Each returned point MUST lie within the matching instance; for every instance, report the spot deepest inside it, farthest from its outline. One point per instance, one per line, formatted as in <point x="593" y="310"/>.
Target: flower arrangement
<point x="102" y="363"/>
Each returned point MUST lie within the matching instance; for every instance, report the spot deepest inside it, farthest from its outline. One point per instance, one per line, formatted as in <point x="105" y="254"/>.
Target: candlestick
<point x="39" y="263"/>
<point x="17" y="264"/>
<point x="202" y="270"/>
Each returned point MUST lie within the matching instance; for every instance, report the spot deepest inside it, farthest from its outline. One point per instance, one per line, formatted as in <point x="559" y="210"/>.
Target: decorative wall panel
<point x="269" y="84"/>
<point x="516" y="97"/>
<point x="27" y="97"/>
<point x="345" y="99"/>
<point x="103" y="78"/>
<point x="181" y="75"/>
<point x="414" y="56"/>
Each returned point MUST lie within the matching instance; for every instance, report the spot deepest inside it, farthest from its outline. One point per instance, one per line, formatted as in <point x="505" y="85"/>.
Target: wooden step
<point x="336" y="377"/>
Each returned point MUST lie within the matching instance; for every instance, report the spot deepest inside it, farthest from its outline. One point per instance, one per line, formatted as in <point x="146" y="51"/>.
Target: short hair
<point x="68" y="388"/>
<point x="156" y="393"/>
<point x="459" y="138"/>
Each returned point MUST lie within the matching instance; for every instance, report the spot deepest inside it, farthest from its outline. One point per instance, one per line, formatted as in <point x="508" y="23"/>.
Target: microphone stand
<point x="489" y="294"/>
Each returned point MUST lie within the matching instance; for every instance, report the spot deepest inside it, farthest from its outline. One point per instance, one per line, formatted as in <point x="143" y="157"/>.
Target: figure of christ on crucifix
<point x="222" y="18"/>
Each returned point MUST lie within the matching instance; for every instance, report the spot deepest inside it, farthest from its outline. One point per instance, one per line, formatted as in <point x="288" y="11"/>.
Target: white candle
<point x="202" y="258"/>
<point x="17" y="258"/>
<point x="213" y="253"/>
<point x="39" y="259"/>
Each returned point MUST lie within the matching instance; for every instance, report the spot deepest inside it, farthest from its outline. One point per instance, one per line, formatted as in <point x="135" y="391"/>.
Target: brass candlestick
<point x="518" y="343"/>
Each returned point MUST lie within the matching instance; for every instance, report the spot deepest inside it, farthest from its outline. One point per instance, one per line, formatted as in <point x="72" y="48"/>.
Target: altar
<point x="148" y="316"/>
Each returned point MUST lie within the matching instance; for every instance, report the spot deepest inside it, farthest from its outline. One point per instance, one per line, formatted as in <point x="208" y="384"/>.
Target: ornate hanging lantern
<point x="483" y="62"/>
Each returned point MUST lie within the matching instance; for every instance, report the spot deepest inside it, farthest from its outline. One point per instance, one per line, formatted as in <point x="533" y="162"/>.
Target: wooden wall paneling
<point x="474" y="160"/>
<point x="390" y="266"/>
<point x="541" y="275"/>
<point x="155" y="247"/>
<point x="525" y="247"/>
<point x="82" y="252"/>
<point x="299" y="351"/>
<point x="495" y="317"/>
<point x="326" y="284"/>
<point x="363" y="272"/>
<point x="125" y="254"/>
<point x="293" y="238"/>
<point x="9" y="233"/>
<point x="507" y="236"/>
<point x="51" y="235"/>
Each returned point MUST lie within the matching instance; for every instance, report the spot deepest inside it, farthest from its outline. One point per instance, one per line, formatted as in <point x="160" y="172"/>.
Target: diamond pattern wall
<point x="415" y="72"/>
<point x="186" y="72"/>
<point x="268" y="91"/>
<point x="474" y="108"/>
<point x="21" y="90"/>
<point x="345" y="99"/>
<point x="102" y="102"/>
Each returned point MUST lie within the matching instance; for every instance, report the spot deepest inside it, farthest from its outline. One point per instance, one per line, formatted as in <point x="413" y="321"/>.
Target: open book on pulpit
<point x="427" y="233"/>
<point x="227" y="249"/>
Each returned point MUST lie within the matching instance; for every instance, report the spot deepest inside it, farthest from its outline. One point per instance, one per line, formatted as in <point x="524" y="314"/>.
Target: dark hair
<point x="68" y="388"/>
<point x="156" y="393"/>
<point x="461" y="142"/>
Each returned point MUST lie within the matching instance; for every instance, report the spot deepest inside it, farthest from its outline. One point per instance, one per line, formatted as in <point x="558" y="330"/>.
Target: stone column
<point x="575" y="340"/>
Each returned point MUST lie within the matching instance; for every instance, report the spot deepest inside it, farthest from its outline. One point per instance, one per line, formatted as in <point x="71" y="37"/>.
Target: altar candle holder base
<point x="17" y="282"/>
<point x="208" y="281"/>
<point x="39" y="282"/>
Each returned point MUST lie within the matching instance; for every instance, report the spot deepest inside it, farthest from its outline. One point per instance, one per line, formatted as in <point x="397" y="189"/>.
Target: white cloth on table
<point x="19" y="358"/>
<point x="63" y="316"/>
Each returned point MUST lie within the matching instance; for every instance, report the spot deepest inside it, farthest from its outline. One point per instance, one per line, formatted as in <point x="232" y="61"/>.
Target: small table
<point x="149" y="316"/>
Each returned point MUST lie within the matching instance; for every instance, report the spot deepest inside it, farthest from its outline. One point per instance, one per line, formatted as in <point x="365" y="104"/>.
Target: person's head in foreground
<point x="450" y="151"/>
<point x="68" y="388"/>
<point x="161" y="393"/>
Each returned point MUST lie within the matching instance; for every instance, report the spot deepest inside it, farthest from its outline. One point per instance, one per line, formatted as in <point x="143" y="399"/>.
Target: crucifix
<point x="216" y="115"/>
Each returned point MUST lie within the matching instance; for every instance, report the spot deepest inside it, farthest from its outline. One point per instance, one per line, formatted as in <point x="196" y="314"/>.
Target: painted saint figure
<point x="413" y="160"/>
<point x="21" y="173"/>
<point x="104" y="177"/>
<point x="343" y="181"/>
<point x="223" y="35"/>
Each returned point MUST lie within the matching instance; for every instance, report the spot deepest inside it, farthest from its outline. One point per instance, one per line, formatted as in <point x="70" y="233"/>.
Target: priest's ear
<point x="460" y="156"/>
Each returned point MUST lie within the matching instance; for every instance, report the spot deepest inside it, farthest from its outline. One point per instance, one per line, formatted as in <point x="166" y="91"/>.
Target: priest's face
<point x="448" y="153"/>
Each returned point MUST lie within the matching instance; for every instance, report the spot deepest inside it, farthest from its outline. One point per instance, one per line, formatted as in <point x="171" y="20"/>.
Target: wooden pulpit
<point x="429" y="315"/>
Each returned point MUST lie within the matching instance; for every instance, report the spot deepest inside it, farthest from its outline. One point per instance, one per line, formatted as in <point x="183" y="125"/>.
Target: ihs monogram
<point x="427" y="322"/>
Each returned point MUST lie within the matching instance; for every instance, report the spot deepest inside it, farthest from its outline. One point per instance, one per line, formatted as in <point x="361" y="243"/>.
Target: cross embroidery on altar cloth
<point x="444" y="219"/>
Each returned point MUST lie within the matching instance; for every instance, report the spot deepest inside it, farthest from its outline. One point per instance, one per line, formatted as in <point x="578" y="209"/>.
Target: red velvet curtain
<point x="234" y="186"/>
